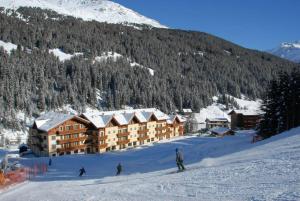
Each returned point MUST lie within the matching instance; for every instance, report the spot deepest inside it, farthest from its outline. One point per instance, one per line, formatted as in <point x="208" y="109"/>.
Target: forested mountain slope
<point x="189" y="67"/>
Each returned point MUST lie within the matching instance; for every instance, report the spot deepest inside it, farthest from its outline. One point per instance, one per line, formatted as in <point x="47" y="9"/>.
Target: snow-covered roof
<point x="220" y="130"/>
<point x="171" y="118"/>
<point x="217" y="119"/>
<point x="187" y="110"/>
<point x="123" y="117"/>
<point x="50" y="120"/>
<point x="246" y="112"/>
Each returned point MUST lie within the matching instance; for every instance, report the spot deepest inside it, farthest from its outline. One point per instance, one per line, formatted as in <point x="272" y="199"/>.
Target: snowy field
<point x="229" y="168"/>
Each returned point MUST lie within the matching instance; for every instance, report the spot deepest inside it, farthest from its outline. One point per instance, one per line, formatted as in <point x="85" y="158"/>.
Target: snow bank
<point x="63" y="56"/>
<point x="7" y="46"/>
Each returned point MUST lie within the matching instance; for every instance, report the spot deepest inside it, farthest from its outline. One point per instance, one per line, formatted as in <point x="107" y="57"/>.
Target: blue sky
<point x="256" y="24"/>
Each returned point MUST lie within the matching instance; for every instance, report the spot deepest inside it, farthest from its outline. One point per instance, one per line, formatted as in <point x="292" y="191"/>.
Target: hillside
<point x="229" y="168"/>
<point x="55" y="60"/>
<point x="88" y="10"/>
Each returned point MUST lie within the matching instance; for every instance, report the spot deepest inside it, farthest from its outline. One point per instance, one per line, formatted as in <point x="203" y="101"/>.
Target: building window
<point x="45" y="137"/>
<point x="108" y="132"/>
<point x="75" y="135"/>
<point x="129" y="144"/>
<point x="68" y="136"/>
<point x="53" y="137"/>
<point x="76" y="127"/>
<point x="61" y="128"/>
<point x="75" y="151"/>
<point x="53" y="154"/>
<point x="152" y="139"/>
<point x="148" y="140"/>
<point x="81" y="126"/>
<point x="134" y="143"/>
<point x="76" y="143"/>
<point x="101" y="133"/>
<point x="68" y="128"/>
<point x="68" y="153"/>
<point x="53" y="146"/>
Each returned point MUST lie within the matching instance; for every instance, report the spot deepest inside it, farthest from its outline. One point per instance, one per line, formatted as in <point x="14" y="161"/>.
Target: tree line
<point x="281" y="104"/>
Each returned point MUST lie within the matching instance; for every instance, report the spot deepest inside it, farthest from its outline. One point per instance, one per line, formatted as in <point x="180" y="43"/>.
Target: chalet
<point x="187" y="112"/>
<point x="216" y="122"/>
<point x="245" y="119"/>
<point x="55" y="134"/>
<point x="221" y="131"/>
<point x="96" y="132"/>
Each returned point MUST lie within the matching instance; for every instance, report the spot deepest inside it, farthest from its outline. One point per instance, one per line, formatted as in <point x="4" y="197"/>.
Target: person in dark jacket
<point x="50" y="162"/>
<point x="82" y="171"/>
<point x="119" y="169"/>
<point x="179" y="160"/>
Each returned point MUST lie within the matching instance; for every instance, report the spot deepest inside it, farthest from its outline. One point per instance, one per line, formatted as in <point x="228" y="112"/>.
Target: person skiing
<point x="179" y="160"/>
<point x="50" y="162"/>
<point x="82" y="171"/>
<point x="119" y="169"/>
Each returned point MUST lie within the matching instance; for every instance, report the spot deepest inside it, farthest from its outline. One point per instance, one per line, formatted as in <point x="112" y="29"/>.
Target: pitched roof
<point x="123" y="117"/>
<point x="217" y="119"/>
<point x="50" y="120"/>
<point x="172" y="118"/>
<point x="220" y="130"/>
<point x="246" y="112"/>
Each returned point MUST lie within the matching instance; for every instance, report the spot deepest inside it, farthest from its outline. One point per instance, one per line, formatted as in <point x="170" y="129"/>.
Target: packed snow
<point x="7" y="46"/>
<point x="228" y="168"/>
<point x="98" y="10"/>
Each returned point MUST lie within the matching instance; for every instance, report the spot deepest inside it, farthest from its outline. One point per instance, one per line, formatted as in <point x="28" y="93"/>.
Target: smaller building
<point x="221" y="131"/>
<point x="245" y="119"/>
<point x="216" y="122"/>
<point x="187" y="112"/>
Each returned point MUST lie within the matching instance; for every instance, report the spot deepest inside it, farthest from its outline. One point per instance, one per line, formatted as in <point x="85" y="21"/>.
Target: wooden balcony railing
<point x="100" y="138"/>
<point x="161" y="128"/>
<point x="72" y="131"/>
<point x="122" y="142"/>
<point x="103" y="146"/>
<point x="70" y="140"/>
<point x="123" y="134"/>
<point x="158" y="135"/>
<point x="143" y="131"/>
<point x="146" y="137"/>
<point x="72" y="148"/>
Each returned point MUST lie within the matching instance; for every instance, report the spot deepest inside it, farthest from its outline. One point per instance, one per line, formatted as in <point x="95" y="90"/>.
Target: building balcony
<point x="158" y="135"/>
<point x="70" y="140"/>
<point x="145" y="131"/>
<point x="123" y="134"/>
<point x="102" y="138"/>
<point x="82" y="130"/>
<point x="146" y="137"/>
<point x="161" y="128"/>
<point x="122" y="142"/>
<point x="72" y="148"/>
<point x="103" y="146"/>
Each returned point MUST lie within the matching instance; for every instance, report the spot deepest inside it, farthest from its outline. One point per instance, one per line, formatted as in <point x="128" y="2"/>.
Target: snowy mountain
<point x="88" y="10"/>
<point x="290" y="51"/>
<point x="229" y="168"/>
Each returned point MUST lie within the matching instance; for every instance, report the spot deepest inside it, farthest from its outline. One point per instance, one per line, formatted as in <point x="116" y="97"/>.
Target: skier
<point x="50" y="162"/>
<point x="179" y="160"/>
<point x="119" y="169"/>
<point x="82" y="171"/>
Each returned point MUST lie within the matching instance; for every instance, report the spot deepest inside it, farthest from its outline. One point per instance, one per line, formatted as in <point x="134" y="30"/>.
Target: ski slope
<point x="229" y="168"/>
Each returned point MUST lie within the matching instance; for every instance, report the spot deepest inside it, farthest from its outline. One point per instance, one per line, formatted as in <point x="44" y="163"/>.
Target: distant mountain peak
<point x="88" y="10"/>
<point x="288" y="50"/>
<point x="295" y="44"/>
